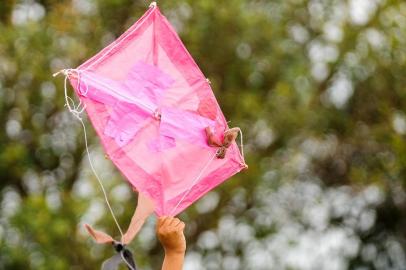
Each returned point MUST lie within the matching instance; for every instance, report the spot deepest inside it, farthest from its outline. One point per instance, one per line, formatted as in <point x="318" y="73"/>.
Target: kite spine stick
<point x="74" y="109"/>
<point x="143" y="105"/>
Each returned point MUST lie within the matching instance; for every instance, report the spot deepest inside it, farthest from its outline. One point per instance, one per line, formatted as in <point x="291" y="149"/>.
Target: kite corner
<point x="153" y="4"/>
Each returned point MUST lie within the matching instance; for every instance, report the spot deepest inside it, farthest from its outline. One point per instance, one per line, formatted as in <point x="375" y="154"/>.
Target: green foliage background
<point x="318" y="87"/>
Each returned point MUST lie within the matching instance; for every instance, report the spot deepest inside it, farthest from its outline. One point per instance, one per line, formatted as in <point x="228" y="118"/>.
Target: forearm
<point x="173" y="261"/>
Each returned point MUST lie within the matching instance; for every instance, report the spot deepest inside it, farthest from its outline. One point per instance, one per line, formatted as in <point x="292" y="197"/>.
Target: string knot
<point x="66" y="72"/>
<point x="229" y="136"/>
<point x="76" y="110"/>
<point x="157" y="114"/>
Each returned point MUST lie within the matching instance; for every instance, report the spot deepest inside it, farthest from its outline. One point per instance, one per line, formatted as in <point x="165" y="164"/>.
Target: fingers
<point x="175" y="222"/>
<point x="170" y="223"/>
<point x="181" y="226"/>
<point x="163" y="222"/>
<point x="167" y="221"/>
<point x="170" y="233"/>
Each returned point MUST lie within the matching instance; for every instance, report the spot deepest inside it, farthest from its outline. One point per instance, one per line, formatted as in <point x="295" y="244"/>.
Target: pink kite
<point x="156" y="115"/>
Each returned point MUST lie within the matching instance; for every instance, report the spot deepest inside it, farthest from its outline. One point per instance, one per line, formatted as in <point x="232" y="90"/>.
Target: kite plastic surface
<point x="150" y="104"/>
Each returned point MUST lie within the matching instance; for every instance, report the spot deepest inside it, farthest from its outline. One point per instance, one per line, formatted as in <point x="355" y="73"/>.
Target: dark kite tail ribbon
<point x="123" y="256"/>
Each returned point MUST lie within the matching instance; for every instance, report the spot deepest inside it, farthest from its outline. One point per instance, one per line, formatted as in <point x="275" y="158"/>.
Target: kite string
<point x="204" y="168"/>
<point x="98" y="179"/>
<point x="74" y="109"/>
<point x="103" y="189"/>
<point x="193" y="183"/>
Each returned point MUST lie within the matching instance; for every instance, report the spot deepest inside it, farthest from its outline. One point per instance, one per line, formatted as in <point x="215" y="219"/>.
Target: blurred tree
<point x="318" y="87"/>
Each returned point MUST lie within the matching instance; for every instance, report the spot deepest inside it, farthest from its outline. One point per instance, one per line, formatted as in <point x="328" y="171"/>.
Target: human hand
<point x="170" y="234"/>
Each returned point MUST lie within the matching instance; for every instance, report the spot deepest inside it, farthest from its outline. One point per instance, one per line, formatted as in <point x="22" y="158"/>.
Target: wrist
<point x="175" y="253"/>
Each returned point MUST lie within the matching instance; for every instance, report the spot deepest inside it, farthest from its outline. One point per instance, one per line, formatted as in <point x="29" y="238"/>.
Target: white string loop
<point x="241" y="145"/>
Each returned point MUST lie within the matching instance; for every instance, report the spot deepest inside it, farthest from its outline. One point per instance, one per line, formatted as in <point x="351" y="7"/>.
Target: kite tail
<point x="77" y="111"/>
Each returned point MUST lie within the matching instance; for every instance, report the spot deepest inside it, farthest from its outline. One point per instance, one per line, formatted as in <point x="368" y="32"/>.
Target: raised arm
<point x="170" y="234"/>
